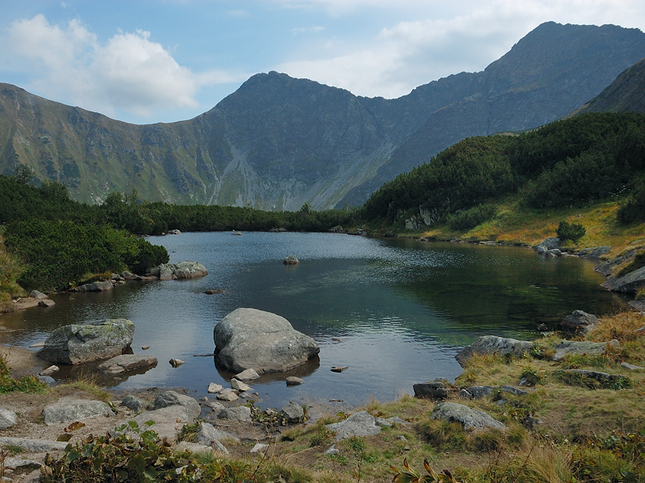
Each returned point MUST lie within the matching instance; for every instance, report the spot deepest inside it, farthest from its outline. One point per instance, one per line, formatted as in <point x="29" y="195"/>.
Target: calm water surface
<point x="401" y="308"/>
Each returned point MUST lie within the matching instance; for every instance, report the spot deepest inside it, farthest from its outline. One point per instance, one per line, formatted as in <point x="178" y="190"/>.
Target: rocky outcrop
<point x="182" y="270"/>
<point x="172" y="398"/>
<point x="571" y="347"/>
<point x="490" y="344"/>
<point x="630" y="283"/>
<point x="468" y="417"/>
<point x="80" y="343"/>
<point x="579" y="321"/>
<point x="437" y="390"/>
<point x="69" y="410"/>
<point x="254" y="339"/>
<point x="361" y="423"/>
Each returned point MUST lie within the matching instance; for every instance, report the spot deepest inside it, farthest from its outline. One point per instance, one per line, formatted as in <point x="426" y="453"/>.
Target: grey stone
<point x="31" y="445"/>
<point x="603" y="380"/>
<point x="127" y="363"/>
<point x="182" y="270"/>
<point x="167" y="421"/>
<point x="594" y="252"/>
<point x="254" y="339"/>
<point x="68" y="410"/>
<point x="215" y="406"/>
<point x="227" y="395"/>
<point x="208" y="434"/>
<point x="104" y="286"/>
<point x="631" y="367"/>
<point x="630" y="283"/>
<point x="134" y="403"/>
<point x="291" y="260"/>
<point x="332" y="450"/>
<point x="570" y="347"/>
<point x="294" y="381"/>
<point x="238" y="413"/>
<point x="49" y="370"/>
<point x="358" y="424"/>
<point x="214" y="388"/>
<point x="176" y="362"/>
<point x="172" y="398"/>
<point x="437" y="390"/>
<point x="7" y="418"/>
<point x="293" y="413"/>
<point x="247" y="375"/>
<point x="259" y="447"/>
<point x="239" y="385"/>
<point x="579" y="321"/>
<point x="18" y="463"/>
<point x="194" y="448"/>
<point x="468" y="417"/>
<point x="80" y="343"/>
<point x="35" y="294"/>
<point x="490" y="344"/>
<point x="46" y="303"/>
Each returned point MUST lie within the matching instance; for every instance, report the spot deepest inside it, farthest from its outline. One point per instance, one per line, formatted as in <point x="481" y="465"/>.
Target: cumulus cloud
<point x="444" y="38"/>
<point x="129" y="72"/>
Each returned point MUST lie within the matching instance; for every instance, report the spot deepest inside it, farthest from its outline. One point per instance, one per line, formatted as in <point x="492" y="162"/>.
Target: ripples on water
<point x="401" y="308"/>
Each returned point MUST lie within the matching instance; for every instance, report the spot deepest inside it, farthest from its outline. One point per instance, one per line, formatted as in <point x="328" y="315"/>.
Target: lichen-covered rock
<point x="7" y="418"/>
<point x="572" y="347"/>
<point x="490" y="344"/>
<point x="92" y="341"/>
<point x="68" y="410"/>
<point x="254" y="339"/>
<point x="579" y="321"/>
<point x="361" y="423"/>
<point x="172" y="398"/>
<point x="468" y="417"/>
<point x="181" y="270"/>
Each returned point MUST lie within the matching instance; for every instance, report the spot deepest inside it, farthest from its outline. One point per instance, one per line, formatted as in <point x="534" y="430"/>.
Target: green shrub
<point x="570" y="231"/>
<point x="469" y="219"/>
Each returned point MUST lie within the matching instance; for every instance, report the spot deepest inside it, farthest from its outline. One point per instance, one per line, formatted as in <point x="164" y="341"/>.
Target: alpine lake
<point x="394" y="311"/>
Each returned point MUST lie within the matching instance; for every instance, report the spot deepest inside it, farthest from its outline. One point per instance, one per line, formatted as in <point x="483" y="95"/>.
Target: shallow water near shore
<point x="394" y="311"/>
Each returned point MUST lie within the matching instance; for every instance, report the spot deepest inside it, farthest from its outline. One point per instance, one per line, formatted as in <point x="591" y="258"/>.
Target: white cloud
<point x="307" y="30"/>
<point x="129" y="72"/>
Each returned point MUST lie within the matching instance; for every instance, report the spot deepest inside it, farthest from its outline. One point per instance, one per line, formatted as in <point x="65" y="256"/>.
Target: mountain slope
<point x="546" y="75"/>
<point x="278" y="142"/>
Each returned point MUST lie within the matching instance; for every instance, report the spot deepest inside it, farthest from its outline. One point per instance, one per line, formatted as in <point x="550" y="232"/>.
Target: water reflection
<point x="401" y="308"/>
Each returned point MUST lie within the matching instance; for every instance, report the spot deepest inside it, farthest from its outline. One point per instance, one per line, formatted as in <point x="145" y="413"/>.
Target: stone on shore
<point x="68" y="410"/>
<point x="571" y="347"/>
<point x="80" y="343"/>
<point x="172" y="398"/>
<point x="32" y="445"/>
<point x="104" y="286"/>
<point x="181" y="270"/>
<point x="579" y="321"/>
<point x="490" y="344"/>
<point x="293" y="413"/>
<point x="238" y="413"/>
<point x="437" y="390"/>
<point x="630" y="283"/>
<point x="468" y="417"/>
<point x="361" y="423"/>
<point x="7" y="418"/>
<point x="254" y="339"/>
<point x="134" y="403"/>
<point x="127" y="363"/>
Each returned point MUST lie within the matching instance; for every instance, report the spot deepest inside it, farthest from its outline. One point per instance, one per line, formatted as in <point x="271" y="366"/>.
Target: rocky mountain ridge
<point x="278" y="142"/>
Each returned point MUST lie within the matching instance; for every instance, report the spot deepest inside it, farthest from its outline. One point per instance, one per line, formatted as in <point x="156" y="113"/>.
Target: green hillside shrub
<point x="469" y="219"/>
<point x="570" y="231"/>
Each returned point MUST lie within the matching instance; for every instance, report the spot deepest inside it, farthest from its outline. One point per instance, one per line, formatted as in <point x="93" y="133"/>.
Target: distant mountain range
<point x="278" y="142"/>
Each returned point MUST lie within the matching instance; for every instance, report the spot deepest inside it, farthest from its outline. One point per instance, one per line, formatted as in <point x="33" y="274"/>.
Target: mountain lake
<point x="395" y="311"/>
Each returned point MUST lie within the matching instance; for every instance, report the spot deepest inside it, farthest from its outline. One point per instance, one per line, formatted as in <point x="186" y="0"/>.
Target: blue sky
<point x="146" y="61"/>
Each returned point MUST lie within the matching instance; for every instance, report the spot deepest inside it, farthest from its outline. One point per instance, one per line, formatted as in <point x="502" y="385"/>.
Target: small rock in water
<point x="338" y="368"/>
<point x="291" y="260"/>
<point x="247" y="375"/>
<point x="294" y="381"/>
<point x="336" y="339"/>
<point x="239" y="385"/>
<point x="48" y="371"/>
<point x="145" y="347"/>
<point x="214" y="291"/>
<point x="37" y="344"/>
<point x="176" y="362"/>
<point x="214" y="388"/>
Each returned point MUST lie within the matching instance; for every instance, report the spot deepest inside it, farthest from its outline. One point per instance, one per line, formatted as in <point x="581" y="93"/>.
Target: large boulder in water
<point x="92" y="341"/>
<point x="181" y="270"/>
<point x="266" y="342"/>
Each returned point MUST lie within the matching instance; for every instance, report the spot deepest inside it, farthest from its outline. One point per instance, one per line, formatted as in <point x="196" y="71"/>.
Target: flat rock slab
<point x="255" y="339"/>
<point x="361" y="423"/>
<point x="127" y="363"/>
<point x="93" y="341"/>
<point x="571" y="347"/>
<point x="172" y="398"/>
<point x="68" y="410"/>
<point x="468" y="417"/>
<point x="630" y="283"/>
<point x="594" y="379"/>
<point x="490" y="344"/>
<point x="31" y="445"/>
<point x="181" y="271"/>
<point x="167" y="422"/>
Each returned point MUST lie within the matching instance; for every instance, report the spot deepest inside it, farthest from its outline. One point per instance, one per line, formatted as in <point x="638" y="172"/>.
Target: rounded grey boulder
<point x="93" y="341"/>
<point x="254" y="339"/>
